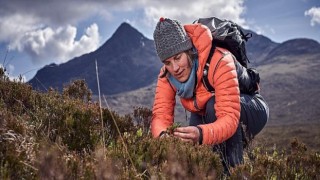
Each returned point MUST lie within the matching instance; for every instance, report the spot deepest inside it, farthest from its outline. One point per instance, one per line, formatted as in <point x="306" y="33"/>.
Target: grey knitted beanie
<point x="170" y="38"/>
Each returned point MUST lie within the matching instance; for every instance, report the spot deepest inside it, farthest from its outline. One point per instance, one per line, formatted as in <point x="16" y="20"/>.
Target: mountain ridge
<point x="294" y="47"/>
<point x="258" y="47"/>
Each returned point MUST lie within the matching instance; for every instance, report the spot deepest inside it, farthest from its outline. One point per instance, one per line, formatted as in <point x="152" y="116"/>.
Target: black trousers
<point x="254" y="115"/>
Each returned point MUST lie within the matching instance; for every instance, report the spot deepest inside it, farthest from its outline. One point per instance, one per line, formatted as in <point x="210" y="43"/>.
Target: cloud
<point x="46" y="30"/>
<point x="261" y="30"/>
<point x="58" y="12"/>
<point x="188" y="10"/>
<point x="18" y="16"/>
<point x="57" y="45"/>
<point x="314" y="12"/>
<point x="14" y="25"/>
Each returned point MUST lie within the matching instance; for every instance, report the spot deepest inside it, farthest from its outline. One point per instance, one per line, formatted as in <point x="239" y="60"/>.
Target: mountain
<point x="258" y="47"/>
<point x="291" y="81"/>
<point x="294" y="47"/>
<point x="127" y="61"/>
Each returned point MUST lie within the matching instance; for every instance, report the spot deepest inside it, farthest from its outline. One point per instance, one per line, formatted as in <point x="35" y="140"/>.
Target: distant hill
<point x="258" y="47"/>
<point x="127" y="61"/>
<point x="291" y="81"/>
<point x="294" y="47"/>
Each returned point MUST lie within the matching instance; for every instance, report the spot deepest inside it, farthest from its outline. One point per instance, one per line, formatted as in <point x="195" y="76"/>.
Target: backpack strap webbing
<point x="205" y="79"/>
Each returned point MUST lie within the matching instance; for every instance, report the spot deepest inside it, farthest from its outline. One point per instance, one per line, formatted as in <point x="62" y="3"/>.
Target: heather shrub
<point x="114" y="122"/>
<point x="164" y="158"/>
<point x="64" y="135"/>
<point x="17" y="147"/>
<point x="142" y="116"/>
<point x="78" y="89"/>
<point x="15" y="96"/>
<point x="296" y="163"/>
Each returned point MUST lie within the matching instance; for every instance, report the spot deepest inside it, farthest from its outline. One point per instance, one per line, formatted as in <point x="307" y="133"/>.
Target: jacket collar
<point x="202" y="40"/>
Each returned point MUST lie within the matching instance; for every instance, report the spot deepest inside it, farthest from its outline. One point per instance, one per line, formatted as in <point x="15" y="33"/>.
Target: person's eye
<point x="167" y="63"/>
<point x="178" y="57"/>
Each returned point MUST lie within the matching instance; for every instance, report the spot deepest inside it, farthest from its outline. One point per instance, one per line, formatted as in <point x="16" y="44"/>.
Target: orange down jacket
<point x="222" y="76"/>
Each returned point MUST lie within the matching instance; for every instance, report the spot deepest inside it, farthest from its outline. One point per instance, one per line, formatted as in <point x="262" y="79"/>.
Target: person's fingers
<point x="188" y="129"/>
<point x="184" y="135"/>
<point x="181" y="129"/>
<point x="189" y="133"/>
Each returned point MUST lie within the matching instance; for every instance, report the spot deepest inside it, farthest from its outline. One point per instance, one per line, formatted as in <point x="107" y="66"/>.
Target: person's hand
<point x="189" y="133"/>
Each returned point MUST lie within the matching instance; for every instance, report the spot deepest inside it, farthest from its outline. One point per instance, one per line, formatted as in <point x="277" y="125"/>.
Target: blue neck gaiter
<point x="186" y="89"/>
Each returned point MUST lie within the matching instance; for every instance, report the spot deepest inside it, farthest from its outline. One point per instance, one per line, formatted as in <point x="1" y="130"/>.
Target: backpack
<point x="229" y="35"/>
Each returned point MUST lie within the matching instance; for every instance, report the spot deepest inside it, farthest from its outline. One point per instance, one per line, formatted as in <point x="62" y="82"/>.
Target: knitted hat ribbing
<point x="170" y="38"/>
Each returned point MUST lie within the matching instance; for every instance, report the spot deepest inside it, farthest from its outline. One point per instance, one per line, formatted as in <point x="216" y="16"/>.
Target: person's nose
<point x="175" y="67"/>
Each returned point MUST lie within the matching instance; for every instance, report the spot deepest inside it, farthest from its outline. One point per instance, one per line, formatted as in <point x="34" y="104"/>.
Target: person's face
<point x="179" y="66"/>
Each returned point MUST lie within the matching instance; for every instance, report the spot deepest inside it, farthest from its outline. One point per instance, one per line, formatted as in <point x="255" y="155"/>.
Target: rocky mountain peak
<point x="124" y="39"/>
<point x="125" y="31"/>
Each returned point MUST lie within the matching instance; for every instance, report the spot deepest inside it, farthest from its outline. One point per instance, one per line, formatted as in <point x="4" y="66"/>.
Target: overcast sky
<point x="39" y="32"/>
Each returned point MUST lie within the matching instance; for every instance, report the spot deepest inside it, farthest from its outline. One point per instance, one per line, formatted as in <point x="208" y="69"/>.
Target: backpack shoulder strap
<point x="205" y="79"/>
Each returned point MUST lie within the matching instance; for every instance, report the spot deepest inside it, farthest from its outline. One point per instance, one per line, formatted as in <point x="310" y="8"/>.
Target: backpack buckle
<point x="205" y="72"/>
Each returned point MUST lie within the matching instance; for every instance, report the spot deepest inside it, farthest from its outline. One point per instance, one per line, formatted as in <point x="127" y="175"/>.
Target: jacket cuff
<point x="200" y="135"/>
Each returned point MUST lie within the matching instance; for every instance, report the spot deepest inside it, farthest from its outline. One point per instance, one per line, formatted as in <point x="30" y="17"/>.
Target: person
<point x="216" y="118"/>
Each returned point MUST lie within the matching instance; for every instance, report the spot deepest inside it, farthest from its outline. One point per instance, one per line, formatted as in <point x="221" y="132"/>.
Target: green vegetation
<point x="171" y="128"/>
<point x="56" y="135"/>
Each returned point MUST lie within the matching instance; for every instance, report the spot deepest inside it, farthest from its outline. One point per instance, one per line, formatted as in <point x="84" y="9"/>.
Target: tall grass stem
<point x="122" y="140"/>
<point x="101" y="116"/>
